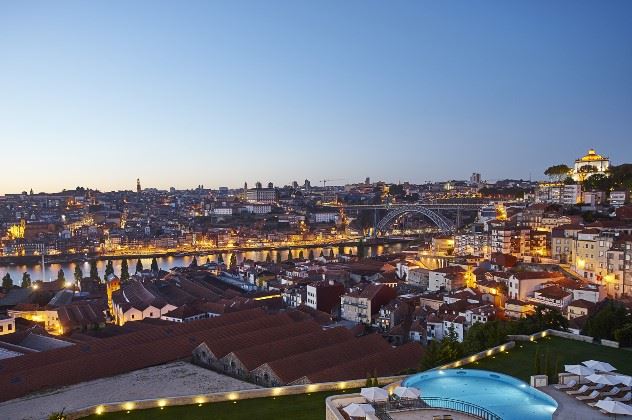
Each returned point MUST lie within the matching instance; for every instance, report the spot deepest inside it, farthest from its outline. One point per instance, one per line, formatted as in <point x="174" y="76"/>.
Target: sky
<point x="99" y="93"/>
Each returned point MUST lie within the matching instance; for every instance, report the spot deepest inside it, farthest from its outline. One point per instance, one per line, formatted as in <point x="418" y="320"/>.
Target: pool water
<point x="505" y="396"/>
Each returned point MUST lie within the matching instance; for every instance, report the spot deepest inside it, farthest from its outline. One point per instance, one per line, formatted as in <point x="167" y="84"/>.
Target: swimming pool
<point x="505" y="396"/>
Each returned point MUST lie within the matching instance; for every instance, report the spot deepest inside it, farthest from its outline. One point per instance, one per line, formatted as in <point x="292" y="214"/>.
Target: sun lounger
<point x="588" y="390"/>
<point x="593" y="395"/>
<point x="614" y="391"/>
<point x="580" y="390"/>
<point x="627" y="397"/>
<point x="568" y="386"/>
<point x="594" y="403"/>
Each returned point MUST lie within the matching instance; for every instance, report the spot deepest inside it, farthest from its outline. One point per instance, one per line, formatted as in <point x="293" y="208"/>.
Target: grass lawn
<point x="520" y="361"/>
<point x="296" y="407"/>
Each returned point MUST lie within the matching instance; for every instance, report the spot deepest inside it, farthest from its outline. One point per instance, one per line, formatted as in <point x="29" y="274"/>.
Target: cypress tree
<point x="194" y="262"/>
<point x="269" y="257"/>
<point x="61" y="276"/>
<point x="94" y="272"/>
<point x="311" y="255"/>
<point x="233" y="260"/>
<point x="278" y="257"/>
<point x="139" y="266"/>
<point x="26" y="280"/>
<point x="300" y="255"/>
<point x="124" y="270"/>
<point x="7" y="282"/>
<point x="154" y="264"/>
<point x="220" y="259"/>
<point x="78" y="273"/>
<point x="109" y="270"/>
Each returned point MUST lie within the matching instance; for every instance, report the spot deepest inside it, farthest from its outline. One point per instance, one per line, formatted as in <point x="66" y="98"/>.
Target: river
<point x="166" y="263"/>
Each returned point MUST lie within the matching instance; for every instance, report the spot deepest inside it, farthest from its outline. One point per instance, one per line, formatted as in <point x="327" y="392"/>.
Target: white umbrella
<point x="597" y="365"/>
<point x="359" y="410"/>
<point x="374" y="394"/>
<point x="407" y="392"/>
<point x="614" y="407"/>
<point x="624" y="379"/>
<point x="580" y="370"/>
<point x="603" y="379"/>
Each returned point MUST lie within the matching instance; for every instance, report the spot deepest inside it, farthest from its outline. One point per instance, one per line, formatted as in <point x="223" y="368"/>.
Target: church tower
<point x="138" y="188"/>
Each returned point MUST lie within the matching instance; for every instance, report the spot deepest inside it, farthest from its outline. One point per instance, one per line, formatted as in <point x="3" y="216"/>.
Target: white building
<point x="258" y="208"/>
<point x="598" y="162"/>
<point x="572" y="194"/>
<point x="618" y="198"/>
<point x="7" y="325"/>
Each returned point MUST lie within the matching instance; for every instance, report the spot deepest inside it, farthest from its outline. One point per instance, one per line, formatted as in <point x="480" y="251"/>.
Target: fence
<point x="564" y="334"/>
<point x="478" y="356"/>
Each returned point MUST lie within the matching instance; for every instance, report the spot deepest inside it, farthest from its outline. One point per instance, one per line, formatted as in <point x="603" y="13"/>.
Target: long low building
<point x="111" y="356"/>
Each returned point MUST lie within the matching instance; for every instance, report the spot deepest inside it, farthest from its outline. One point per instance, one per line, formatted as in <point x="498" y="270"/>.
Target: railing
<point x="382" y="409"/>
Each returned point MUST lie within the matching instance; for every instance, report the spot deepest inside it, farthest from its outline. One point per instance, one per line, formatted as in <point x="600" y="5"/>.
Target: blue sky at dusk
<point x="218" y="93"/>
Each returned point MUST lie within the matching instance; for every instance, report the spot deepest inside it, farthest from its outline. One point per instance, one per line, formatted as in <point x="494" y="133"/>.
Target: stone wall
<point x="566" y="335"/>
<point x="225" y="396"/>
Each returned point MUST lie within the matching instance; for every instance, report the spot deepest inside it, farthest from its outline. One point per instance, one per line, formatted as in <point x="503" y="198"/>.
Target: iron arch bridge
<point x="440" y="221"/>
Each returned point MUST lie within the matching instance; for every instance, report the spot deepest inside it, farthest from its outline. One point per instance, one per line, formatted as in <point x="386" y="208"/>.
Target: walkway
<point x="570" y="408"/>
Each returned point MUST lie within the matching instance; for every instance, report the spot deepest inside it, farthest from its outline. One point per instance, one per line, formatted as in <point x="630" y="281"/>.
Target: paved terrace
<point x="173" y="379"/>
<point x="570" y="408"/>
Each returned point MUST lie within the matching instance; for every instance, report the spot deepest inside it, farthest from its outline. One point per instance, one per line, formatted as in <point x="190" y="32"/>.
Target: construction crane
<point x="325" y="181"/>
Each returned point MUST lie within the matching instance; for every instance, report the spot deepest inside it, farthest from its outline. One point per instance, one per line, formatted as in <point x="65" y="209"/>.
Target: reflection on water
<point x="166" y="263"/>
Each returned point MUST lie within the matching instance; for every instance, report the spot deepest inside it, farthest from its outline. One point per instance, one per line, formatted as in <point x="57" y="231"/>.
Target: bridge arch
<point x="440" y="221"/>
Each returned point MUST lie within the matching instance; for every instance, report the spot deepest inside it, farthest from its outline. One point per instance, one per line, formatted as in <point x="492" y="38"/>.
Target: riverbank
<point x="82" y="257"/>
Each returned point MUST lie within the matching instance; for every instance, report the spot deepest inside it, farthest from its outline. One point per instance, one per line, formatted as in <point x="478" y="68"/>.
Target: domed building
<point x="598" y="162"/>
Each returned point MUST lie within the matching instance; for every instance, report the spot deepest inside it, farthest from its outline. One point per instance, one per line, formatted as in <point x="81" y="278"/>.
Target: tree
<point x="624" y="335"/>
<point x="78" y="273"/>
<point x="290" y="257"/>
<point x="597" y="182"/>
<point x="233" y="260"/>
<point x="444" y="351"/>
<point x="109" y="269"/>
<point x="341" y="250"/>
<point x="124" y="270"/>
<point x="585" y="171"/>
<point x="26" y="280"/>
<point x="611" y="316"/>
<point x="208" y="261"/>
<point x="278" y="257"/>
<point x="61" y="276"/>
<point x="311" y="255"/>
<point x="269" y="257"/>
<point x="154" y="264"/>
<point x="220" y="259"/>
<point x="557" y="172"/>
<point x="194" y="262"/>
<point x="300" y="255"/>
<point x="7" y="282"/>
<point x="94" y="272"/>
<point x="322" y="254"/>
<point x="139" y="266"/>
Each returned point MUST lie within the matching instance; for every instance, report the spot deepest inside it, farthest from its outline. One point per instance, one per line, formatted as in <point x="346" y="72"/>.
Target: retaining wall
<point x="564" y="334"/>
<point x="224" y="396"/>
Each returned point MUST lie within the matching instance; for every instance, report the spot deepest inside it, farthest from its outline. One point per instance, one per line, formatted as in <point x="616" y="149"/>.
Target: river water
<point x="166" y="263"/>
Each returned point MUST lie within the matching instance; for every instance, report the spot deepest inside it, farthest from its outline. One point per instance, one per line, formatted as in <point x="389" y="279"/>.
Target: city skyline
<point x="217" y="94"/>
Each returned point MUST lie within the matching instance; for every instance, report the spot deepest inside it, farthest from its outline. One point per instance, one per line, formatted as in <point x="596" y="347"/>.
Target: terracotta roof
<point x="292" y="368"/>
<point x="385" y="363"/>
<point x="523" y="275"/>
<point x="284" y="327"/>
<point x="120" y="354"/>
<point x="255" y="356"/>
<point x="553" y="292"/>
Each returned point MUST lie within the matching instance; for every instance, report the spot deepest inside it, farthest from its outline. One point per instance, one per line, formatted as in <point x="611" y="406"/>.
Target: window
<point x="10" y="327"/>
<point x="1" y="328"/>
